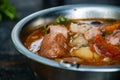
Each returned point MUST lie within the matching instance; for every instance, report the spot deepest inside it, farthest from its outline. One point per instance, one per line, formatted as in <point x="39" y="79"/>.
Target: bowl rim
<point x="21" y="48"/>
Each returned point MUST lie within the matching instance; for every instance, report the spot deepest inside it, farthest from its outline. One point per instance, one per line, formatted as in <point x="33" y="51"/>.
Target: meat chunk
<point x="92" y="33"/>
<point x="79" y="28"/>
<point x="55" y="44"/>
<point x="55" y="29"/>
<point x="114" y="38"/>
<point x="35" y="46"/>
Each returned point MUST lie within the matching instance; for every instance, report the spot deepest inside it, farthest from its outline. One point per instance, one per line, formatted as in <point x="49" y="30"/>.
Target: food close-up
<point x="92" y="41"/>
<point x="71" y="42"/>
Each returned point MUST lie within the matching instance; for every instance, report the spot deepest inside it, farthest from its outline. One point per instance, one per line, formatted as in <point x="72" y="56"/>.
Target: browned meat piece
<point x="90" y="34"/>
<point x="114" y="38"/>
<point x="54" y="45"/>
<point x="55" y="29"/>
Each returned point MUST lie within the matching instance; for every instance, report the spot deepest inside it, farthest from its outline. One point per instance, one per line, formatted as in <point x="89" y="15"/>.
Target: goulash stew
<point x="78" y="41"/>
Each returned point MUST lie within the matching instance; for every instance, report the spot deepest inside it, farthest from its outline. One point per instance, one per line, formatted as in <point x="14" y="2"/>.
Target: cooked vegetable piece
<point x="78" y="41"/>
<point x="76" y="28"/>
<point x="105" y="48"/>
<point x="85" y="53"/>
<point x="111" y="28"/>
<point x="61" y="19"/>
<point x="45" y="29"/>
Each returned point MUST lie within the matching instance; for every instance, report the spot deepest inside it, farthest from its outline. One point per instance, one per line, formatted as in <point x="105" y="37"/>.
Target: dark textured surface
<point x="13" y="65"/>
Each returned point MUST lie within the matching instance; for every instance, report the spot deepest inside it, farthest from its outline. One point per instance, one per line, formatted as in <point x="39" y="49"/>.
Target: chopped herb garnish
<point x="45" y="29"/>
<point x="61" y="19"/>
<point x="7" y="10"/>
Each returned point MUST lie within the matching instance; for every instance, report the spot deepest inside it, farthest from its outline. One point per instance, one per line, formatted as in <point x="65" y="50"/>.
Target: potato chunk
<point x="78" y="41"/>
<point x="85" y="53"/>
<point x="79" y="28"/>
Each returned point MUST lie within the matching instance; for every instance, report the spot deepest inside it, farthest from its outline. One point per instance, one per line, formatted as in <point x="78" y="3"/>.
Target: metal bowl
<point x="51" y="70"/>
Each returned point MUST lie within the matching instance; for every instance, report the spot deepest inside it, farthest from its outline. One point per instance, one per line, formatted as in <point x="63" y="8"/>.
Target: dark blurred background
<point x="51" y="3"/>
<point x="13" y="65"/>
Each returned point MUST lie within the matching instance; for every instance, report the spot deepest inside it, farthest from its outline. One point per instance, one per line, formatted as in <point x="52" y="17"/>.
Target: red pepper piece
<point x="105" y="48"/>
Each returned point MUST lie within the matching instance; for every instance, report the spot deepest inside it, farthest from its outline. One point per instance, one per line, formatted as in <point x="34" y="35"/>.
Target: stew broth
<point x="79" y="41"/>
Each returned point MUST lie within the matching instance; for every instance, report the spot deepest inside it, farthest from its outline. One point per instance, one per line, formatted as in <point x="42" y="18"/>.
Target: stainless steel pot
<point x="51" y="70"/>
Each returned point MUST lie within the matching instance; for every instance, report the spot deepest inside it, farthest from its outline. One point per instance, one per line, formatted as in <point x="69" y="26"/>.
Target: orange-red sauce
<point x="108" y="52"/>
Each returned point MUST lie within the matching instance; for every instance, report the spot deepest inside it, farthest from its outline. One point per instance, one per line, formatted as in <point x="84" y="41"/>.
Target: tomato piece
<point x="105" y="48"/>
<point x="92" y="48"/>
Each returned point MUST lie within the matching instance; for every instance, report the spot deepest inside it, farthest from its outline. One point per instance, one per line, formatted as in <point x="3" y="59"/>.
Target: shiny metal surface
<point x="31" y="22"/>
